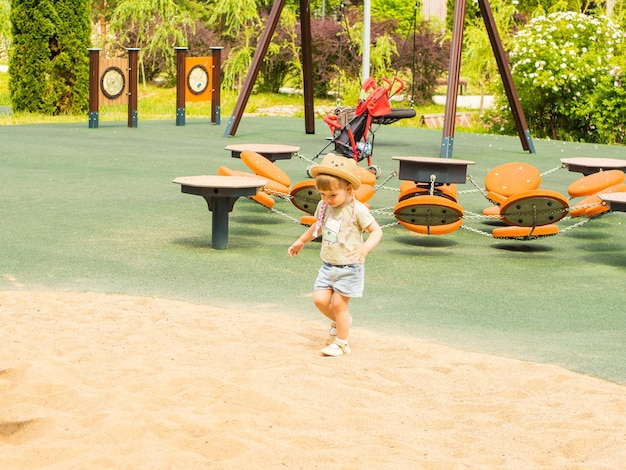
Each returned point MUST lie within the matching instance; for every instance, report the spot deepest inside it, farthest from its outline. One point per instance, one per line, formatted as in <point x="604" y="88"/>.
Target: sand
<point x="90" y="380"/>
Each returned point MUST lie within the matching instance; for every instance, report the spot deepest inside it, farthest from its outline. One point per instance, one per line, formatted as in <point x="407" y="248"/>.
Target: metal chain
<point x="281" y="195"/>
<point x="393" y="174"/>
<point x="304" y="158"/>
<point x="591" y="204"/>
<point x="467" y="216"/>
<point x="576" y="225"/>
<point x="388" y="211"/>
<point x="286" y="216"/>
<point x="475" y="230"/>
<point x="391" y="224"/>
<point x="474" y="215"/>
<point x="478" y="188"/>
<point x="547" y="172"/>
<point x="383" y="210"/>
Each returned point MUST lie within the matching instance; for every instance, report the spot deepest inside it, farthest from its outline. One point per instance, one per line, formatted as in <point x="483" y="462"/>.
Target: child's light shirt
<point x="338" y="238"/>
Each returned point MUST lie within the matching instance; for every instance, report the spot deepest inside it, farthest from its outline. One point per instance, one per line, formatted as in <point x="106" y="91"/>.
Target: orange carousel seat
<point x="595" y="182"/>
<point x="508" y="179"/>
<point x="592" y="205"/>
<point x="430" y="215"/>
<point x="534" y="208"/>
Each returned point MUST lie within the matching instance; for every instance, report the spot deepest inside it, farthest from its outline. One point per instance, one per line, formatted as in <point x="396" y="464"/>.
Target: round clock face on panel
<point x="112" y="82"/>
<point x="197" y="79"/>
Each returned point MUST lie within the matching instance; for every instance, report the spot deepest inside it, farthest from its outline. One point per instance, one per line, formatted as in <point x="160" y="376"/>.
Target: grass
<point x="159" y="103"/>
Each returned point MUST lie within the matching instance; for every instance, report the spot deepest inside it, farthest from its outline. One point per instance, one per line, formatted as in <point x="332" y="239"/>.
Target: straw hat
<point x="339" y="166"/>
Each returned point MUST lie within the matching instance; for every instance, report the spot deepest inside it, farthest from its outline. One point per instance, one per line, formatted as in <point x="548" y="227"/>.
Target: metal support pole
<point x="219" y="218"/>
<point x="133" y="85"/>
<point x="216" y="80"/>
<point x="181" y="79"/>
<point x="367" y="21"/>
<point x="94" y="79"/>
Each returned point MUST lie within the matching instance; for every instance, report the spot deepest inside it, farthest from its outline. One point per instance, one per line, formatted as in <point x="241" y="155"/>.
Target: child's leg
<point x="339" y="308"/>
<point x="343" y="320"/>
<point x="323" y="302"/>
<point x="334" y="306"/>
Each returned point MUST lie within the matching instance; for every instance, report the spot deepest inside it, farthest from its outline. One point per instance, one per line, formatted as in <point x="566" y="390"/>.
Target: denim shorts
<point x="348" y="280"/>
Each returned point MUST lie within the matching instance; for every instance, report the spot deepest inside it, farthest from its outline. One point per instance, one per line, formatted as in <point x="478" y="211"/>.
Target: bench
<point x="462" y="84"/>
<point x="435" y="121"/>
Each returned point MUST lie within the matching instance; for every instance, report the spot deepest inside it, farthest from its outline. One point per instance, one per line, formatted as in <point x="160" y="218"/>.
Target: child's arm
<point x="301" y="241"/>
<point x="375" y="235"/>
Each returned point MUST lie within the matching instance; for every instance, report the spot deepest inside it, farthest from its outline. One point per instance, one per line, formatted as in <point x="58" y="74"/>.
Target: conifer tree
<point x="49" y="62"/>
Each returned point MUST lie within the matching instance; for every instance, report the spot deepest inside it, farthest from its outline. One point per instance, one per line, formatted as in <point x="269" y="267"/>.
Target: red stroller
<point x="355" y="139"/>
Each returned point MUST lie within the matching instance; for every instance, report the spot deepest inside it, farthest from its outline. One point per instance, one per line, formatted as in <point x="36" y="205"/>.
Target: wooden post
<point x="133" y="85"/>
<point x="307" y="66"/>
<point x="181" y="79"/>
<point x="94" y="82"/>
<point x="454" y="73"/>
<point x="507" y="78"/>
<point x="456" y="48"/>
<point x="216" y="81"/>
<point x="259" y="54"/>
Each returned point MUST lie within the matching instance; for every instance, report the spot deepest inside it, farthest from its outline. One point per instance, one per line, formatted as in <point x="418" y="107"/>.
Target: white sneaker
<point x="336" y="349"/>
<point x="332" y="334"/>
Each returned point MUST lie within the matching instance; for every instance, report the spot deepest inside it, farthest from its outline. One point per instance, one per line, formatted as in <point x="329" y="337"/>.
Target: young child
<point x="341" y="220"/>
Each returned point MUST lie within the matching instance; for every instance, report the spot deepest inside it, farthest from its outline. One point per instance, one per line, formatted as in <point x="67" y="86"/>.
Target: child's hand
<point x="358" y="254"/>
<point x="295" y="249"/>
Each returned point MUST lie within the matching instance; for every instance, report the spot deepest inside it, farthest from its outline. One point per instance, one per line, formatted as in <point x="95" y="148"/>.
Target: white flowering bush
<point x="564" y="66"/>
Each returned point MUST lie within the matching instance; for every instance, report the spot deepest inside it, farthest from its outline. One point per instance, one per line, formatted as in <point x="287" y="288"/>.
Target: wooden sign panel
<point x="113" y="86"/>
<point x="198" y="78"/>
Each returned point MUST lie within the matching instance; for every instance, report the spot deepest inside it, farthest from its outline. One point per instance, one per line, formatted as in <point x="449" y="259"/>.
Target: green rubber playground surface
<point x="96" y="210"/>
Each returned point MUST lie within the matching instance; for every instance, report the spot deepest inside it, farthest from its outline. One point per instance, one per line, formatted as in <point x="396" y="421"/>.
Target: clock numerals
<point x="112" y="82"/>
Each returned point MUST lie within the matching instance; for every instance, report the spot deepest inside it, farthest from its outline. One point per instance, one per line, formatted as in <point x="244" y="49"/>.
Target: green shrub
<point x="607" y="107"/>
<point x="49" y="63"/>
<point x="558" y="62"/>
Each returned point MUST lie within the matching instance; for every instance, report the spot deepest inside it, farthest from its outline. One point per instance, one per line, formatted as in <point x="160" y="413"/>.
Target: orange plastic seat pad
<point x="364" y="193"/>
<point x="496" y="198"/>
<point x="366" y="176"/>
<point x="308" y="220"/>
<point x="595" y="182"/>
<point x="273" y="187"/>
<point x="492" y="211"/>
<point x="512" y="178"/>
<point x="264" y="199"/>
<point x="525" y="232"/>
<point x="264" y="167"/>
<point x="432" y="229"/>
<point x="409" y="189"/>
<point x="581" y="207"/>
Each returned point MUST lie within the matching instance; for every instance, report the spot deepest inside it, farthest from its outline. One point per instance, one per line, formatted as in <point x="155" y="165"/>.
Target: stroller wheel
<point x="375" y="169"/>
